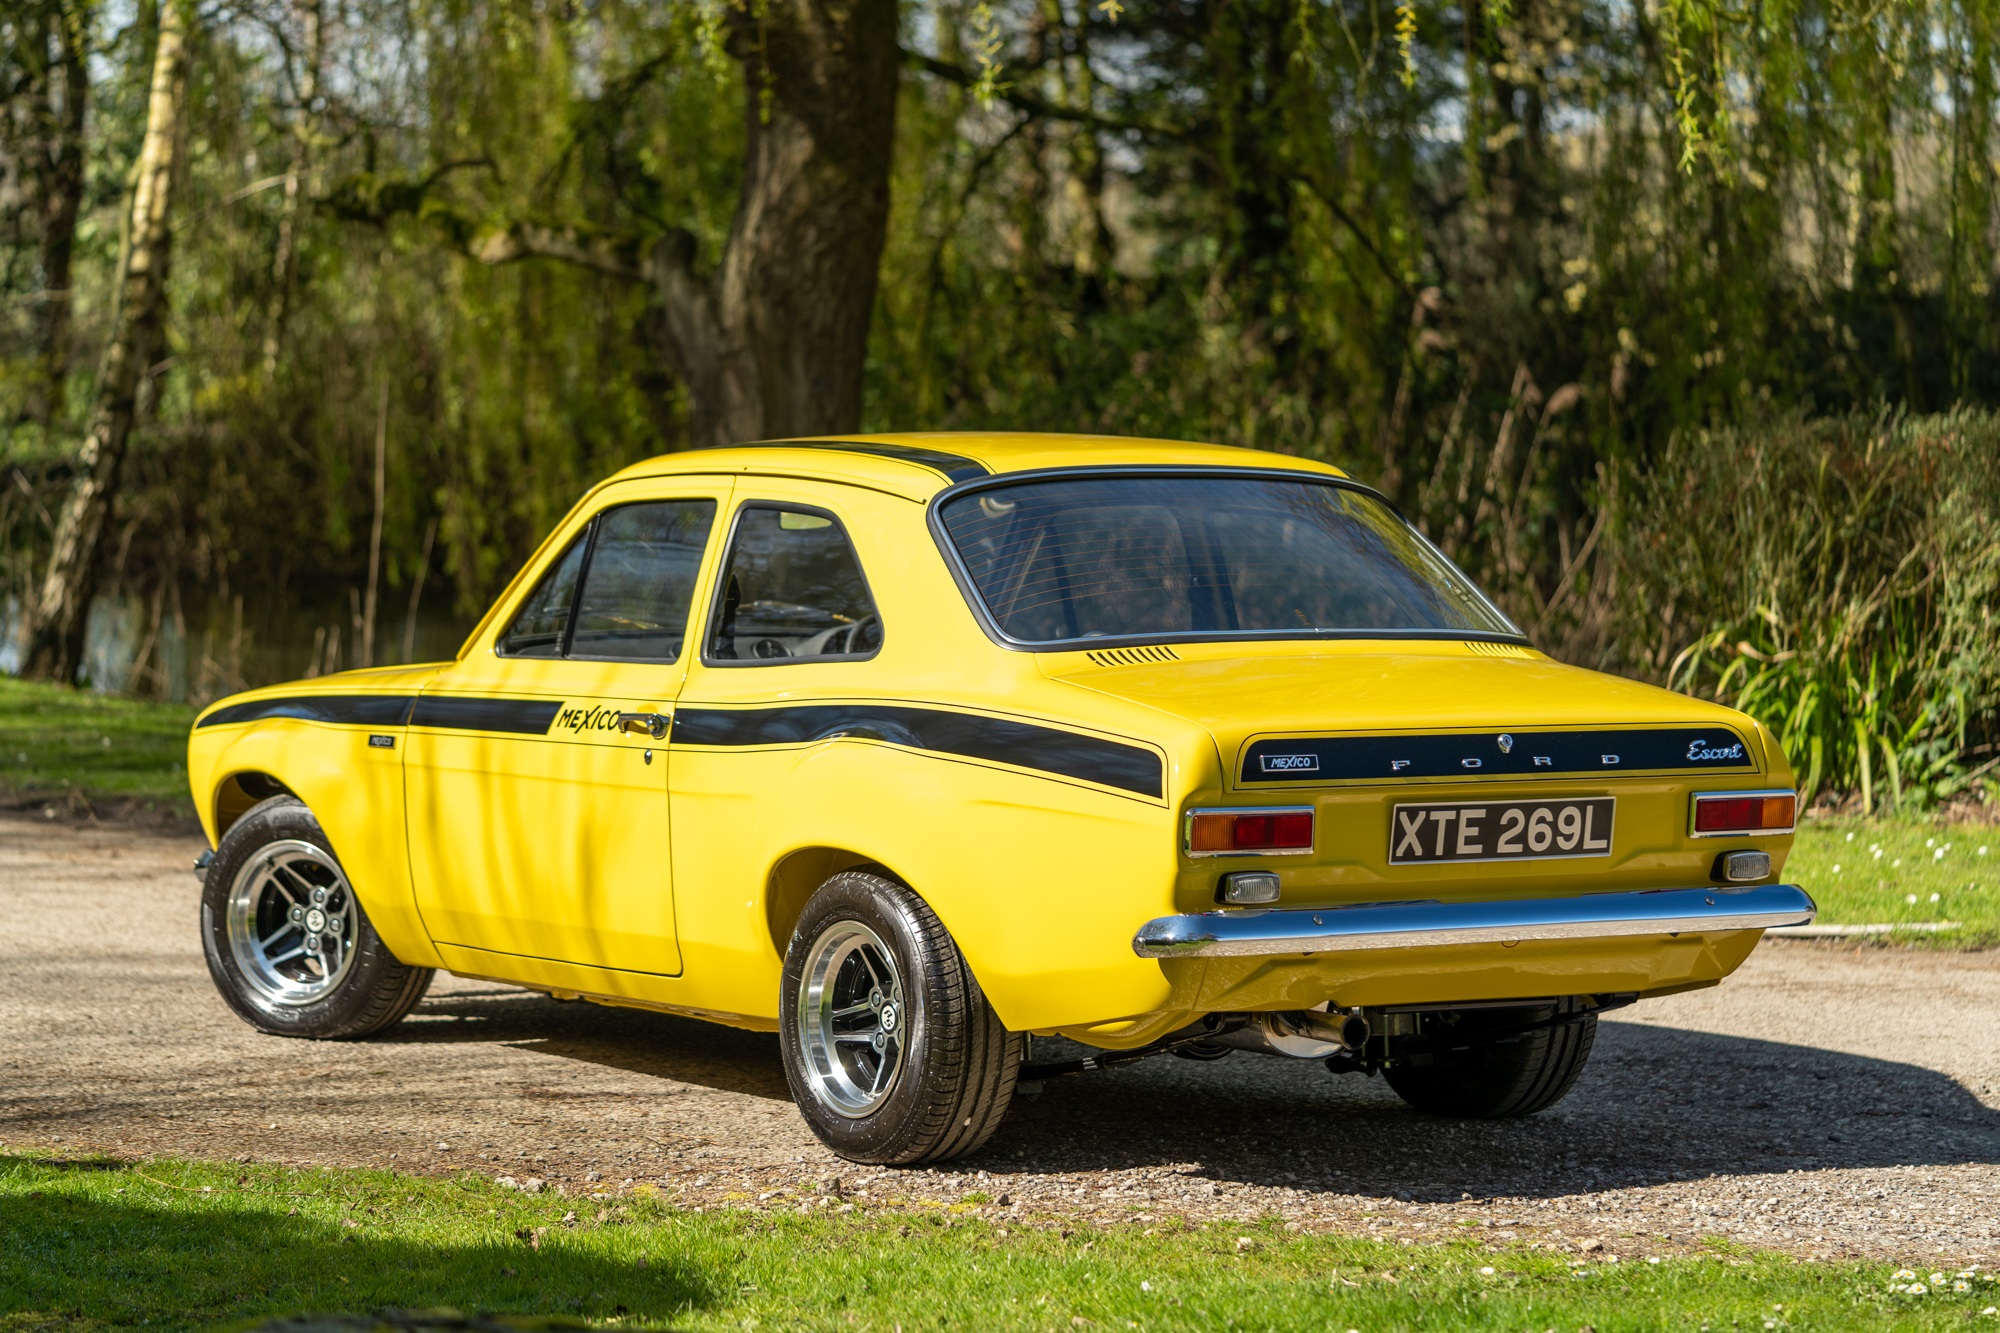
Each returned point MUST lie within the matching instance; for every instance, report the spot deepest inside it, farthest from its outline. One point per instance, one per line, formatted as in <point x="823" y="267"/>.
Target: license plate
<point x="1500" y="830"/>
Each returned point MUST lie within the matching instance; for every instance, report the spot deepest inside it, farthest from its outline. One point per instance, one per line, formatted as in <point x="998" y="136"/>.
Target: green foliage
<point x="189" y="1245"/>
<point x="1838" y="579"/>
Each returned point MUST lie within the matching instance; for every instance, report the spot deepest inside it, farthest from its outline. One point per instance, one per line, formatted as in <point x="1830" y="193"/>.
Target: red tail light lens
<point x="1724" y="813"/>
<point x="1224" y="832"/>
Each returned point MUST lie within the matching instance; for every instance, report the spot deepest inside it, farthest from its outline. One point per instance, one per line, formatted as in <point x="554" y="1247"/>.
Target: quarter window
<point x="792" y="588"/>
<point x="638" y="565"/>
<point x="543" y="622"/>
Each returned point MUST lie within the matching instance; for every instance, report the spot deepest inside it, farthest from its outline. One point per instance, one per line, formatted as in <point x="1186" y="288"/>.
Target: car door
<point x="791" y="624"/>
<point x="536" y="765"/>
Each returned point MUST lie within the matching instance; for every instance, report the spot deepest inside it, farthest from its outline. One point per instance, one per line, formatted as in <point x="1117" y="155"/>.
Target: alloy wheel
<point x="292" y="922"/>
<point x="853" y="1019"/>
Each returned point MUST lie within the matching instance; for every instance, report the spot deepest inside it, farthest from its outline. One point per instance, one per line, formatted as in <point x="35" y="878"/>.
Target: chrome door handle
<point x="649" y="724"/>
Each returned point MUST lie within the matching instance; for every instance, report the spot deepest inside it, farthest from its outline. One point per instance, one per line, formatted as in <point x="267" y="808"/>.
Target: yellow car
<point x="914" y="747"/>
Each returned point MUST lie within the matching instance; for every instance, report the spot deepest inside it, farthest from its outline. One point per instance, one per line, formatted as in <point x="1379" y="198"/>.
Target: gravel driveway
<point x="1826" y="1100"/>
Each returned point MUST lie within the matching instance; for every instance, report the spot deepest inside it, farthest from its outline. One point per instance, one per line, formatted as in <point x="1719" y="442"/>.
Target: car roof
<point x="921" y="463"/>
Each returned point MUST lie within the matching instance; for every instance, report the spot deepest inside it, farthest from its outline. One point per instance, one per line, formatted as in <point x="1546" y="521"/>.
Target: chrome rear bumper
<point x="1409" y="925"/>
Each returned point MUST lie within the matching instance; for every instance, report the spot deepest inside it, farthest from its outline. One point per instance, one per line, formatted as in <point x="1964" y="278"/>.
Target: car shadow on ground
<point x="1656" y="1105"/>
<point x="663" y="1046"/>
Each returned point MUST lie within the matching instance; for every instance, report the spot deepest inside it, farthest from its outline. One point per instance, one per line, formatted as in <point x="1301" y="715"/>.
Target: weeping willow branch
<point x="1040" y="107"/>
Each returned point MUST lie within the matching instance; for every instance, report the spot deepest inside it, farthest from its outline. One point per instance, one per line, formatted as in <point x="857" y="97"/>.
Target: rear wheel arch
<point x="797" y="876"/>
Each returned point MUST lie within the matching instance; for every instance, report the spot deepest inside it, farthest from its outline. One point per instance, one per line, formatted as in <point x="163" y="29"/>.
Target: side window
<point x="640" y="587"/>
<point x="633" y="601"/>
<point x="791" y="588"/>
<point x="543" y="621"/>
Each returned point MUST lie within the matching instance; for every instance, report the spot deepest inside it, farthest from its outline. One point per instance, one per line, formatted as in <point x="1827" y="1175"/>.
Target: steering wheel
<point x="847" y="635"/>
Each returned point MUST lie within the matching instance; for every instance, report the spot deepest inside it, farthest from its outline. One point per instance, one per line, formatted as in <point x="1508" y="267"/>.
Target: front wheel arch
<point x="240" y="793"/>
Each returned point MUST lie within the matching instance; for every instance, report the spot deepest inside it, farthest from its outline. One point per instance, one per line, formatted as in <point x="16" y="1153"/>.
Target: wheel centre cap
<point x="889" y="1017"/>
<point x="315" y="920"/>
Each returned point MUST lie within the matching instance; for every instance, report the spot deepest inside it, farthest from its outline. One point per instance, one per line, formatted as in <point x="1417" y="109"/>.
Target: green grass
<point x="1925" y="872"/>
<point x="186" y="1245"/>
<point x="56" y="741"/>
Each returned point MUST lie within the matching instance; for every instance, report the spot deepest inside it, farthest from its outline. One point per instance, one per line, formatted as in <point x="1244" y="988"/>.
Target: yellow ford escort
<point x="913" y="747"/>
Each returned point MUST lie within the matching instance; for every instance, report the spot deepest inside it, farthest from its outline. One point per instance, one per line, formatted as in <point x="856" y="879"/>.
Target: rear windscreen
<point x="1238" y="556"/>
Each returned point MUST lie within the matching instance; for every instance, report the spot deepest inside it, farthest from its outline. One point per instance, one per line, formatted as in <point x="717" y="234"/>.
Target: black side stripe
<point x="956" y="466"/>
<point x="524" y="717"/>
<point x="1024" y="745"/>
<point x="361" y="710"/>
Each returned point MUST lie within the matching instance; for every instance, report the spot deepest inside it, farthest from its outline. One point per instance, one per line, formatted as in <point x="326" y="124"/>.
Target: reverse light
<point x="1264" y="831"/>
<point x="1742" y="867"/>
<point x="1249" y="886"/>
<point x="1729" y="814"/>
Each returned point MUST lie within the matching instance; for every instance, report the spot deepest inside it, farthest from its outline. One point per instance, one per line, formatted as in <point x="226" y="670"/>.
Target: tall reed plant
<point x="1837" y="579"/>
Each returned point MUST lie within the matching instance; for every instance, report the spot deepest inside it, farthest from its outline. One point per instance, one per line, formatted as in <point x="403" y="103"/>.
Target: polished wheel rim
<point x="853" y="1019"/>
<point x="292" y="922"/>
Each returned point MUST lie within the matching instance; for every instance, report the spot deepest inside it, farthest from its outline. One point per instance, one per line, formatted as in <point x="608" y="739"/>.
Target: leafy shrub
<point x="1835" y="578"/>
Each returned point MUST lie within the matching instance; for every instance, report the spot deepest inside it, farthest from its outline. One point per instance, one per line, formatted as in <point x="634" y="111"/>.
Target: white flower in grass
<point x="1937" y="1279"/>
<point x="1875" y="850"/>
<point x="1961" y="1285"/>
<point x="1930" y="842"/>
<point x="1905" y="1274"/>
<point x="1836" y="867"/>
<point x="1938" y="855"/>
<point x="1850" y="837"/>
<point x="1982" y="851"/>
<point x="1910" y="898"/>
<point x="1936" y="896"/>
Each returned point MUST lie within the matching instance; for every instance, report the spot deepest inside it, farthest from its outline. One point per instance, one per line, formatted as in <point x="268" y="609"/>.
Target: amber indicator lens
<point x="1743" y="814"/>
<point x="1261" y="831"/>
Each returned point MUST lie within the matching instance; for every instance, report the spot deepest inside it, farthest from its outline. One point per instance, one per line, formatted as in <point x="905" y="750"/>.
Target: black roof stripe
<point x="957" y="467"/>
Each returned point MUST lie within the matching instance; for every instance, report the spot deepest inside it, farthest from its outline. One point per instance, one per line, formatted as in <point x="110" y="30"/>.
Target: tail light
<point x="1727" y="814"/>
<point x="1270" y="831"/>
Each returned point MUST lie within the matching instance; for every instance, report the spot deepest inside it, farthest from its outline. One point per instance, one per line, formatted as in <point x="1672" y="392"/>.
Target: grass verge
<point x="1872" y="871"/>
<point x="176" y="1244"/>
<point x="67" y="744"/>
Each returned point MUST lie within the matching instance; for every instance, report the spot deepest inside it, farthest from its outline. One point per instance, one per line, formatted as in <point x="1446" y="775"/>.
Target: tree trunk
<point x="285" y="263"/>
<point x="50" y="49"/>
<point x="773" y="343"/>
<point x="54" y="648"/>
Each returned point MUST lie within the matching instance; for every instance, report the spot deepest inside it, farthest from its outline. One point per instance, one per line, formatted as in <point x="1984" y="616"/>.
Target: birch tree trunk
<point x="54" y="648"/>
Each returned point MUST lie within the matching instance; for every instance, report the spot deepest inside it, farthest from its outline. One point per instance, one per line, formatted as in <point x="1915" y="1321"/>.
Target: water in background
<point x="197" y="654"/>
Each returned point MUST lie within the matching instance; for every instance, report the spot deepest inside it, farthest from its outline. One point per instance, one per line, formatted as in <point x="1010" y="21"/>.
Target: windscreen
<point x="1102" y="557"/>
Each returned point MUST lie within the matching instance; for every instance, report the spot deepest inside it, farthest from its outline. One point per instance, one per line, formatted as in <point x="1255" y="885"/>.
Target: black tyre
<point x="893" y="1054"/>
<point x="1490" y="1064"/>
<point x="287" y="942"/>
